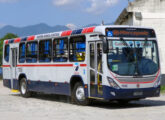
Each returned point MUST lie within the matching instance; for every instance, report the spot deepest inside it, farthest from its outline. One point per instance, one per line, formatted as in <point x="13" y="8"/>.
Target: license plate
<point x="138" y="93"/>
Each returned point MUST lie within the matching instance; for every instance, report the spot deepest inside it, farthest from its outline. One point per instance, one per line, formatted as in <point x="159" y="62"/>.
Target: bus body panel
<point x="55" y="77"/>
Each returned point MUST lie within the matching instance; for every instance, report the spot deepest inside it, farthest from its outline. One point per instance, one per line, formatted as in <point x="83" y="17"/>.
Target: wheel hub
<point x="23" y="88"/>
<point x="80" y="94"/>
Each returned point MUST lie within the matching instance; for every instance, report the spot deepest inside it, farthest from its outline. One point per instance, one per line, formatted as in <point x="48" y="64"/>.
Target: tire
<point x="78" y="95"/>
<point x="123" y="102"/>
<point x="23" y="88"/>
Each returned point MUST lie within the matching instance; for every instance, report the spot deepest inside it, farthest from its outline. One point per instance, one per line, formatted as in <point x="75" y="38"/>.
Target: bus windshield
<point x="132" y="57"/>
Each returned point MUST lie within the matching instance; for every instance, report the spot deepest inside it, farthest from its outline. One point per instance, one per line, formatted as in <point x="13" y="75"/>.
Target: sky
<point x="22" y="13"/>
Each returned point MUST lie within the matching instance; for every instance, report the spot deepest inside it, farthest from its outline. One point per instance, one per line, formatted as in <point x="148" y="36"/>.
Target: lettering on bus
<point x="129" y="32"/>
<point x="135" y="33"/>
<point x="49" y="35"/>
<point x="130" y="43"/>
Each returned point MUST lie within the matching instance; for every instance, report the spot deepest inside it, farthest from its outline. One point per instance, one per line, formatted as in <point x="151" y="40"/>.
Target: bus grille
<point x="131" y="79"/>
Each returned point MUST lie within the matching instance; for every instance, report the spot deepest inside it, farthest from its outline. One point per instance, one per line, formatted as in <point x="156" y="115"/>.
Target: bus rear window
<point x="77" y="48"/>
<point x="31" y="52"/>
<point x="6" y="55"/>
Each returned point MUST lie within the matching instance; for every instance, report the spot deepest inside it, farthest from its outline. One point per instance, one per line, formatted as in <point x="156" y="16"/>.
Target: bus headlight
<point x="112" y="83"/>
<point x="158" y="82"/>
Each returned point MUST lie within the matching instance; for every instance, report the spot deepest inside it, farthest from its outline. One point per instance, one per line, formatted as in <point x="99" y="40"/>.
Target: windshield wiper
<point x="124" y="42"/>
<point x="145" y="44"/>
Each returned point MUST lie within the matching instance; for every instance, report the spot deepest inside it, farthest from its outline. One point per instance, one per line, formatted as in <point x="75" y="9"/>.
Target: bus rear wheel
<point x="123" y="102"/>
<point x="23" y="88"/>
<point x="78" y="95"/>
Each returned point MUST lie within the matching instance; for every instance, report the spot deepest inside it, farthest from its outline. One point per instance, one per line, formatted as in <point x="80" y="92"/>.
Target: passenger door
<point x="13" y="64"/>
<point x="95" y="69"/>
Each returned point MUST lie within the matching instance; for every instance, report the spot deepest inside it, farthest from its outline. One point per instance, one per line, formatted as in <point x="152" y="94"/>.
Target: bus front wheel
<point x="23" y="88"/>
<point x="78" y="95"/>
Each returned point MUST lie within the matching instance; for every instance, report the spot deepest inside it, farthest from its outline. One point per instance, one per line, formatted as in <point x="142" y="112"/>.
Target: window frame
<point x="70" y="49"/>
<point x="50" y="50"/>
<point x="19" y="52"/>
<point x="37" y="50"/>
<point x="8" y="53"/>
<point x="53" y="54"/>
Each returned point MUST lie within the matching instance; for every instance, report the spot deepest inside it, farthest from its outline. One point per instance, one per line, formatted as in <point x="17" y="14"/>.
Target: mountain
<point x="38" y="29"/>
<point x="72" y="26"/>
<point x="31" y="30"/>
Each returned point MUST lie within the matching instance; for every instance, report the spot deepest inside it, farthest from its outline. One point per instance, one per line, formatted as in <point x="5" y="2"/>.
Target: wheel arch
<point x="22" y="75"/>
<point x="74" y="79"/>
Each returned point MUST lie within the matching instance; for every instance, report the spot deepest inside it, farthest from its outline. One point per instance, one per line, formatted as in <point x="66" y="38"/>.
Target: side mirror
<point x="105" y="45"/>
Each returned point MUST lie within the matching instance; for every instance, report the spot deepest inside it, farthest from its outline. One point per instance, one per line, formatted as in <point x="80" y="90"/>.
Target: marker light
<point x="158" y="82"/>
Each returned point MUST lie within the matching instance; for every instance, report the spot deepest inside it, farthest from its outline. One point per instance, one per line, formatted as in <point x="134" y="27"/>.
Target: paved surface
<point x="51" y="107"/>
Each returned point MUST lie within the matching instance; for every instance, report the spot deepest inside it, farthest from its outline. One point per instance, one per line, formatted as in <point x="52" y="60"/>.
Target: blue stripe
<point x="23" y="39"/>
<point x="77" y="31"/>
<point x="64" y="89"/>
<point x="11" y="41"/>
<point x="129" y="93"/>
<point x="49" y="87"/>
<point x="7" y="83"/>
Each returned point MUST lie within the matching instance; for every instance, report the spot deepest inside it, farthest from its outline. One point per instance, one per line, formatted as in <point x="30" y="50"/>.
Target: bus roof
<point x="88" y="30"/>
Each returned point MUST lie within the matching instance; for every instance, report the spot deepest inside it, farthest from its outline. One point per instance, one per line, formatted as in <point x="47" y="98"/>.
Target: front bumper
<point x="117" y="94"/>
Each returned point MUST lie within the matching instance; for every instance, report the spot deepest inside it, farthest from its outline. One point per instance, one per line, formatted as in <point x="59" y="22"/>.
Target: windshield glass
<point x="133" y="57"/>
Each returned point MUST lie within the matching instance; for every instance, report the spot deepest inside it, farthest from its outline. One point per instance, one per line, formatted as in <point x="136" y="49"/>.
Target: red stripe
<point x="66" y="33"/>
<point x="136" y="82"/>
<point x="84" y="30"/>
<point x="83" y="65"/>
<point x="88" y="30"/>
<point x="30" y="38"/>
<point x="17" y="40"/>
<point x="7" y="41"/>
<point x="47" y="65"/>
<point x="5" y="65"/>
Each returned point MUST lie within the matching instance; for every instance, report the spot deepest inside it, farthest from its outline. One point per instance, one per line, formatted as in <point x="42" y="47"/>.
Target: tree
<point x="7" y="36"/>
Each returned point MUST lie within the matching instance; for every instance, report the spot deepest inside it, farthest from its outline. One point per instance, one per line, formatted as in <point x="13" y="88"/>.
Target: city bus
<point x="111" y="63"/>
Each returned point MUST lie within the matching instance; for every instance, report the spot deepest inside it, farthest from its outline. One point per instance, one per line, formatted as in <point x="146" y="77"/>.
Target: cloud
<point x="71" y="26"/>
<point x="2" y="25"/>
<point x="95" y="6"/>
<point x="99" y="6"/>
<point x="65" y="2"/>
<point x="8" y="1"/>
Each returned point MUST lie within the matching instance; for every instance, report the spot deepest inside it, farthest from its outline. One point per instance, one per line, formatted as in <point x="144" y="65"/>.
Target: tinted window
<point x="31" y="52"/>
<point x="60" y="50"/>
<point x="45" y="48"/>
<point x="22" y="53"/>
<point x="77" y="48"/>
<point x="6" y="56"/>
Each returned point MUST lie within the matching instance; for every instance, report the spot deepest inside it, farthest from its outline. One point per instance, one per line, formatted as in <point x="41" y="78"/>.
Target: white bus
<point x="118" y="63"/>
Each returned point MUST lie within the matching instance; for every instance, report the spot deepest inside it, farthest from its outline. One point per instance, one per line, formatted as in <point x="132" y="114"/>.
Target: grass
<point x="162" y="90"/>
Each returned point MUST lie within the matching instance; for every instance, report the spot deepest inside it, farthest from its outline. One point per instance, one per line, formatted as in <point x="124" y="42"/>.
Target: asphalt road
<point x="52" y="107"/>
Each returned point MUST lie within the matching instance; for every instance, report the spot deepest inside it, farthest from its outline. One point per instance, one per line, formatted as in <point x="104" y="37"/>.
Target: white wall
<point x="153" y="15"/>
<point x="156" y="21"/>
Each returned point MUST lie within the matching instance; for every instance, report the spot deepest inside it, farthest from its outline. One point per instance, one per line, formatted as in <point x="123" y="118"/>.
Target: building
<point x="148" y="13"/>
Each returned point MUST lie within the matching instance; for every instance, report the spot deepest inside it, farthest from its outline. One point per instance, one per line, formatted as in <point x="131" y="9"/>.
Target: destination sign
<point x="130" y="32"/>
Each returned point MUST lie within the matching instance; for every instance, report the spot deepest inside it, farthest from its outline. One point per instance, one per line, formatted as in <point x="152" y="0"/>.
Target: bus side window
<point x="77" y="48"/>
<point x="60" y="50"/>
<point x="22" y="53"/>
<point x="6" y="55"/>
<point x="31" y="52"/>
<point x="45" y="50"/>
